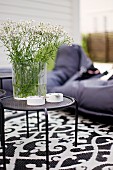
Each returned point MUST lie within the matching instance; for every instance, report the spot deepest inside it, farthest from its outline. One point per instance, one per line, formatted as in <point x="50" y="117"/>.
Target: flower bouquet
<point x="29" y="46"/>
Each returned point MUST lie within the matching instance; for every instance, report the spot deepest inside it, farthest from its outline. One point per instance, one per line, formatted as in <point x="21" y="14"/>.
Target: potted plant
<point x="29" y="46"/>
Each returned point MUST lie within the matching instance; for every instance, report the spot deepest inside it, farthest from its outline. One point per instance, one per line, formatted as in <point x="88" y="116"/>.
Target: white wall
<point x="61" y="12"/>
<point x="96" y="15"/>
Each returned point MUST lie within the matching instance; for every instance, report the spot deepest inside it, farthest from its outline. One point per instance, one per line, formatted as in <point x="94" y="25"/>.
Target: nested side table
<point x="21" y="105"/>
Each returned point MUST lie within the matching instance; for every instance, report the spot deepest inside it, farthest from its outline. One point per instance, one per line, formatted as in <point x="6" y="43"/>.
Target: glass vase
<point x="29" y="79"/>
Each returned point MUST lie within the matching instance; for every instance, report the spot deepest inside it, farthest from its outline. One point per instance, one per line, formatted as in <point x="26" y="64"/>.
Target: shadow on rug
<point x="94" y="150"/>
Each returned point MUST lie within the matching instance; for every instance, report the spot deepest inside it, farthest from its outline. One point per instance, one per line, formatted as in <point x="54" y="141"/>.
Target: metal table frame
<point x="2" y="93"/>
<point x="12" y="104"/>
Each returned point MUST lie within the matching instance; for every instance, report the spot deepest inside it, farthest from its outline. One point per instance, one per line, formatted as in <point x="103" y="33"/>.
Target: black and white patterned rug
<point x="94" y="150"/>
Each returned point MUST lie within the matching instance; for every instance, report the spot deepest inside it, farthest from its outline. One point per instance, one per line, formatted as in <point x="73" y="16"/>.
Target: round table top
<point x="2" y="93"/>
<point x="14" y="104"/>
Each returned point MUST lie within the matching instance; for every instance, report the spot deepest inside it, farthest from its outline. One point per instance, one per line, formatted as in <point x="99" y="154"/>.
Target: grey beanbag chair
<point x="94" y="96"/>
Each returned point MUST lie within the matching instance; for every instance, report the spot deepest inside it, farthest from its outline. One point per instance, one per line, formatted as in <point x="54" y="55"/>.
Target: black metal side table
<point x="21" y="105"/>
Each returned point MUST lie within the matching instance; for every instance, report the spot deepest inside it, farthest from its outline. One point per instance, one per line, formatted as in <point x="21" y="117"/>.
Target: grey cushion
<point x="69" y="61"/>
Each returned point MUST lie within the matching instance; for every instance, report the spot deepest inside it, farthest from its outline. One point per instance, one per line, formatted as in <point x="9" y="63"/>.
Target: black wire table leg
<point x="1" y="84"/>
<point x="47" y="141"/>
<point x="27" y="124"/>
<point x="76" y="122"/>
<point x="1" y="123"/>
<point x="3" y="138"/>
<point x="38" y="120"/>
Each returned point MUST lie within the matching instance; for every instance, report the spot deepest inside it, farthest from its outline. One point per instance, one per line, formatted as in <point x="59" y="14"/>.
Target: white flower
<point x="29" y="41"/>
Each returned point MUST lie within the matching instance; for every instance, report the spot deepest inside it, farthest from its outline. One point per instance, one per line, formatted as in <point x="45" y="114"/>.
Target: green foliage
<point x="29" y="80"/>
<point x="50" y="64"/>
<point x="85" y="43"/>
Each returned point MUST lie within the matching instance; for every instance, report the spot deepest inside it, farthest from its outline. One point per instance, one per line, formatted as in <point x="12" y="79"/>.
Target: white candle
<point x="54" y="97"/>
<point x="35" y="100"/>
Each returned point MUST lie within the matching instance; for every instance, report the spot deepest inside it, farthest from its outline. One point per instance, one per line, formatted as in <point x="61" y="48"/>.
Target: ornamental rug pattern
<point x="94" y="150"/>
